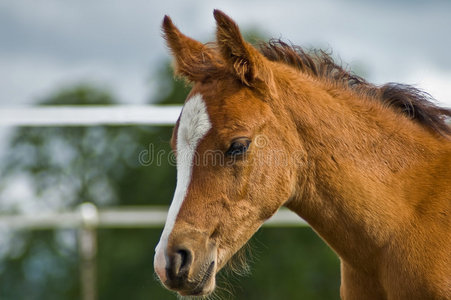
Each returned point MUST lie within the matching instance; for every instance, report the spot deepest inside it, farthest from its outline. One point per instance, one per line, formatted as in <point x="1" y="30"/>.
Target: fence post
<point x="87" y="241"/>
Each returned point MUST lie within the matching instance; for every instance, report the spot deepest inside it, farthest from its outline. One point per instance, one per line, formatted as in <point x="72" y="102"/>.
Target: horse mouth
<point x="201" y="288"/>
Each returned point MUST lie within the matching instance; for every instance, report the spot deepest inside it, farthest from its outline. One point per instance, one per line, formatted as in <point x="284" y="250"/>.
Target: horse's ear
<point x="245" y="61"/>
<point x="193" y="59"/>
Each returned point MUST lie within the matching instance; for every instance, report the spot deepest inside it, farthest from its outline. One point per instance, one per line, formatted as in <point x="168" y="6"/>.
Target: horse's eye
<point x="238" y="146"/>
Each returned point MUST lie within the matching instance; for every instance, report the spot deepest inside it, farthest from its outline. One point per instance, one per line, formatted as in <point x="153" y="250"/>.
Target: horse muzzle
<point x="187" y="264"/>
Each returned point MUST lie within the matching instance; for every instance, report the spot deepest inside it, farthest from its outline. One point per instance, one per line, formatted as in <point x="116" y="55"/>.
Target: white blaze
<point x="193" y="126"/>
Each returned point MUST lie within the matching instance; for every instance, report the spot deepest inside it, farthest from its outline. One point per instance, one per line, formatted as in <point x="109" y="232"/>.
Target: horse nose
<point x="178" y="266"/>
<point x="184" y="265"/>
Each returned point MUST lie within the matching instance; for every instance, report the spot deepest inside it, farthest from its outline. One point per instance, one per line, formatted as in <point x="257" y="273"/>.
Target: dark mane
<point x="412" y="102"/>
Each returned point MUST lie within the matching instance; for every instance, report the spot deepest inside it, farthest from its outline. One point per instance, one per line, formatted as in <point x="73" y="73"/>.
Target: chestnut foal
<point x="369" y="168"/>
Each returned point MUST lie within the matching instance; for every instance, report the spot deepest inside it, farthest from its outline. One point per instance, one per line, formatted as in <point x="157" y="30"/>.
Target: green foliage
<point x="83" y="94"/>
<point x="291" y="263"/>
<point x="70" y="165"/>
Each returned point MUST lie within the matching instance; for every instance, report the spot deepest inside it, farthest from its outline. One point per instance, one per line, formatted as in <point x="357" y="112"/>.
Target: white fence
<point x="89" y="115"/>
<point x="92" y="115"/>
<point x="87" y="217"/>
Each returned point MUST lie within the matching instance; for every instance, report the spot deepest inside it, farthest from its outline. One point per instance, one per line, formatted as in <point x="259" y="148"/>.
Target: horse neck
<point x="362" y="158"/>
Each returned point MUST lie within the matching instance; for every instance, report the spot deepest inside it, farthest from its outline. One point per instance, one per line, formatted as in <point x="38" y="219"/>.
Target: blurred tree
<point x="66" y="166"/>
<point x="60" y="168"/>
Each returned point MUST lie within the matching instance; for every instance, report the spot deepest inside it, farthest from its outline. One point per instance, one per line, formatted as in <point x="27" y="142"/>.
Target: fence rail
<point x="121" y="217"/>
<point x="89" y="115"/>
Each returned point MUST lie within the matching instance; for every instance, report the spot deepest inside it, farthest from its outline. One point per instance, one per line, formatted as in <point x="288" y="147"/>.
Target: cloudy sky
<point x="47" y="44"/>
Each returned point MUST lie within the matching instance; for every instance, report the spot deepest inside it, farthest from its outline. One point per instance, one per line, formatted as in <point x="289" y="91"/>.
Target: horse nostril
<point x="186" y="258"/>
<point x="181" y="262"/>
